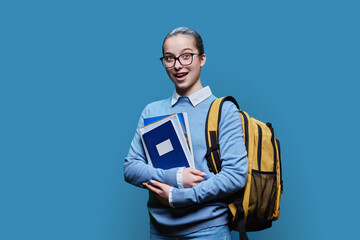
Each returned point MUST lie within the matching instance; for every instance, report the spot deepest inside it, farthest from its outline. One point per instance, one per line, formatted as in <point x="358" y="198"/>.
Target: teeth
<point x="180" y="74"/>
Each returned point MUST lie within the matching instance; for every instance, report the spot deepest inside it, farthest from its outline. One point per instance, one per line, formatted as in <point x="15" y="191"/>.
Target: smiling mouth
<point x="180" y="75"/>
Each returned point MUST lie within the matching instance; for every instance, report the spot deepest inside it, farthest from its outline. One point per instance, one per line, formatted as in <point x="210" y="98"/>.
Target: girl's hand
<point x="161" y="191"/>
<point x="192" y="177"/>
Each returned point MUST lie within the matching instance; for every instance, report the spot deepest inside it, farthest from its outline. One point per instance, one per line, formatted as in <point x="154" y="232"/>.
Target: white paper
<point x="164" y="147"/>
<point x="186" y="120"/>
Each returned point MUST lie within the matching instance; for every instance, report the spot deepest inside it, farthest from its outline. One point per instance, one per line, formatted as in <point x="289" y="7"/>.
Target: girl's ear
<point x="202" y="60"/>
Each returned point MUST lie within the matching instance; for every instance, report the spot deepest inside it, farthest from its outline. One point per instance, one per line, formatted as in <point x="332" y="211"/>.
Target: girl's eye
<point x="169" y="58"/>
<point x="186" y="55"/>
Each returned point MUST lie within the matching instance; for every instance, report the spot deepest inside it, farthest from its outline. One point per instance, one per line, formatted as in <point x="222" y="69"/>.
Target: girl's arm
<point x="136" y="168"/>
<point x="138" y="171"/>
<point x="234" y="165"/>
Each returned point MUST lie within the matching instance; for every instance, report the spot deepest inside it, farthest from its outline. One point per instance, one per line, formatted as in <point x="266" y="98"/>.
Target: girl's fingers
<point x="151" y="188"/>
<point x="199" y="179"/>
<point x="156" y="183"/>
<point x="197" y="172"/>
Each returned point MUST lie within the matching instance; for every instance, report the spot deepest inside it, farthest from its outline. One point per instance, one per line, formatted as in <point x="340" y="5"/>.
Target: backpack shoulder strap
<point x="212" y="133"/>
<point x="213" y="158"/>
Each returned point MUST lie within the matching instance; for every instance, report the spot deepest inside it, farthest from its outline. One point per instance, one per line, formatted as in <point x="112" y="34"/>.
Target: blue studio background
<point x="75" y="76"/>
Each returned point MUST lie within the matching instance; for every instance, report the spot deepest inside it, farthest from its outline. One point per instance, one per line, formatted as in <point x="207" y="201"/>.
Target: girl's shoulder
<point x="160" y="104"/>
<point x="157" y="108"/>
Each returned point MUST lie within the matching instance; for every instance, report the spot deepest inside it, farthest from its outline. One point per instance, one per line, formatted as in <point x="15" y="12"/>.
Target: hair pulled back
<point x="189" y="32"/>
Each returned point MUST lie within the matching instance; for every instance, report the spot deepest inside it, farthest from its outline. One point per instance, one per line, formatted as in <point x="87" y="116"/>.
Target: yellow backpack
<point x="258" y="204"/>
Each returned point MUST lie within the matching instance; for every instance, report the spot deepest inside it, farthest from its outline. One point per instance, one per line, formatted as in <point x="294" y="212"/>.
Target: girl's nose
<point x="177" y="64"/>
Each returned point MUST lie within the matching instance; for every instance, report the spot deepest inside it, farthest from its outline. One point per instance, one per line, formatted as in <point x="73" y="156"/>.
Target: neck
<point x="189" y="91"/>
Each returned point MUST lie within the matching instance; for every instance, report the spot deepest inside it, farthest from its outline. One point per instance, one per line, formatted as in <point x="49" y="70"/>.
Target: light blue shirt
<point x="198" y="207"/>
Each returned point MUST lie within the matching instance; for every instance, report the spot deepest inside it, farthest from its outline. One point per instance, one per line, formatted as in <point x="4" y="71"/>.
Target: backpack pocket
<point x="261" y="201"/>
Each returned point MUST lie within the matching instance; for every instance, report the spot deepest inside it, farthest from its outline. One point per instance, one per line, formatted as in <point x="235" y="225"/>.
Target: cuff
<point x="179" y="177"/>
<point x="182" y="197"/>
<point x="171" y="177"/>
<point x="170" y="197"/>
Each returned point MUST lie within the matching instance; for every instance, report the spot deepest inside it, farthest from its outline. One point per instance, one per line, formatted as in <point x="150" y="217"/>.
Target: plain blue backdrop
<point x="75" y="76"/>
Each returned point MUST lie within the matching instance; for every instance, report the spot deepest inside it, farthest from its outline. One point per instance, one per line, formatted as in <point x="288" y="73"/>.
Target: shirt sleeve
<point x="234" y="164"/>
<point x="136" y="168"/>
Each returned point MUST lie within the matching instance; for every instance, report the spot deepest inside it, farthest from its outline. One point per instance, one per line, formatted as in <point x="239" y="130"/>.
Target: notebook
<point x="165" y="144"/>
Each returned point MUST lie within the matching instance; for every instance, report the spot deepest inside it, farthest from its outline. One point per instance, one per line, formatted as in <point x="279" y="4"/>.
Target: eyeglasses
<point x="184" y="59"/>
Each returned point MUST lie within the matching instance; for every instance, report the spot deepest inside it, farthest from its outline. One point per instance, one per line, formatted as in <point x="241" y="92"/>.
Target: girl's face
<point x="185" y="78"/>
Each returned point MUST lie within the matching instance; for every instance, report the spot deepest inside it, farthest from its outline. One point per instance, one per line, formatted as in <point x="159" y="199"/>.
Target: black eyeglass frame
<point x="178" y="58"/>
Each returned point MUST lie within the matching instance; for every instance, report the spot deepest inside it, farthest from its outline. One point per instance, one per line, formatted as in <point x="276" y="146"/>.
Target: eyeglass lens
<point x="184" y="59"/>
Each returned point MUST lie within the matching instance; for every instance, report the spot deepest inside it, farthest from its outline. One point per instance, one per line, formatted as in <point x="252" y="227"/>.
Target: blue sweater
<point x="198" y="207"/>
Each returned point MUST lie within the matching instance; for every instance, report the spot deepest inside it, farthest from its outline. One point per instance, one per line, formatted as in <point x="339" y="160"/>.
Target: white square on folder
<point x="164" y="147"/>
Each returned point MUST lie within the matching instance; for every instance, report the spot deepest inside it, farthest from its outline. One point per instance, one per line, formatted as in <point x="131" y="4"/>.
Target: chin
<point x="182" y="87"/>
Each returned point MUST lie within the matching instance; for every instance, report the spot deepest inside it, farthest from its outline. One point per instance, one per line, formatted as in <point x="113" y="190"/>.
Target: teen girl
<point x="188" y="201"/>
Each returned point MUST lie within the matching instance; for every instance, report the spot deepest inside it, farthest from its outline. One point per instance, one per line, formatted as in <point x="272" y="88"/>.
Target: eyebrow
<point x="181" y="51"/>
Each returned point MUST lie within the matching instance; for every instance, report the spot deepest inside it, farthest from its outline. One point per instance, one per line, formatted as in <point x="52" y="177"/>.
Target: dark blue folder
<point x="174" y="158"/>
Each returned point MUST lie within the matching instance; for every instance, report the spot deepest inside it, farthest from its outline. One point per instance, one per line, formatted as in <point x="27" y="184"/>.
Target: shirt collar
<point x="195" y="98"/>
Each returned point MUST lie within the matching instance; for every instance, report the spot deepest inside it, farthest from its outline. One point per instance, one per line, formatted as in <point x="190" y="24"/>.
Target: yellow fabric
<point x="251" y="204"/>
<point x="212" y="125"/>
<point x="267" y="162"/>
<point x="250" y="163"/>
<point x="278" y="193"/>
